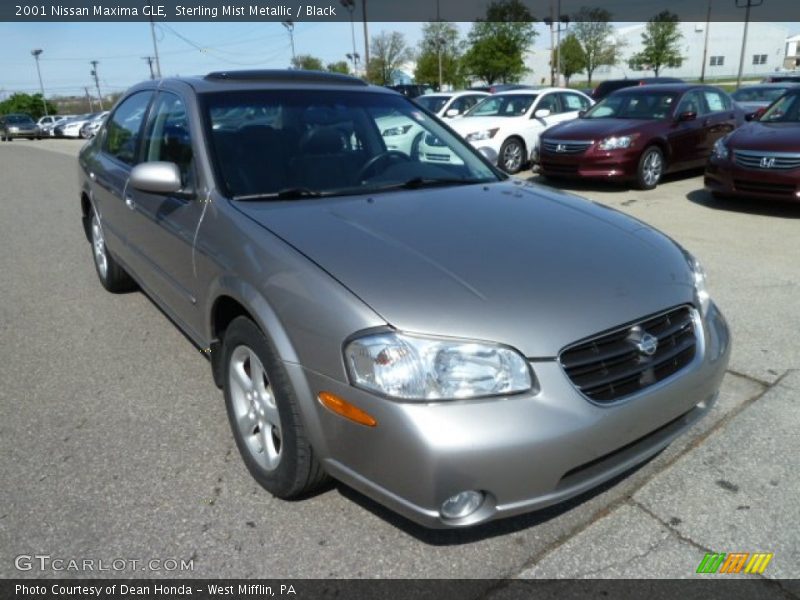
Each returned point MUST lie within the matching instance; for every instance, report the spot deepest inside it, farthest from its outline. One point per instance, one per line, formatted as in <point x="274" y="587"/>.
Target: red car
<point x="762" y="158"/>
<point x="639" y="134"/>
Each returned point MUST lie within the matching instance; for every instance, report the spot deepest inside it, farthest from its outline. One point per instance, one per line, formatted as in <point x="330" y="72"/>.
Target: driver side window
<point x="167" y="138"/>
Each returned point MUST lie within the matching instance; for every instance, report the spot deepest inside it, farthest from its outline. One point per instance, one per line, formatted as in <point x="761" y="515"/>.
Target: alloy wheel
<point x="99" y="247"/>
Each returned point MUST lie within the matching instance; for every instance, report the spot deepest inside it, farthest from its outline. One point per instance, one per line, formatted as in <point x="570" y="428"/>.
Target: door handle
<point x="129" y="202"/>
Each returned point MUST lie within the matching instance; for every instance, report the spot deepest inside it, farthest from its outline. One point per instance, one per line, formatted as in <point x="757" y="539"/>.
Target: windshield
<point x="508" y="105"/>
<point x="758" y="94"/>
<point x="625" y="105"/>
<point x="304" y="143"/>
<point x="19" y="119"/>
<point x="432" y="103"/>
<point x="785" y="110"/>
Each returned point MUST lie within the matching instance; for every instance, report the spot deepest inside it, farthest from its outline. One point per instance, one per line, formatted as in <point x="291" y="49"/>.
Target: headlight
<point x="395" y="130"/>
<point x="721" y="150"/>
<point x="616" y="143"/>
<point x="701" y="291"/>
<point x="477" y="136"/>
<point x="411" y="367"/>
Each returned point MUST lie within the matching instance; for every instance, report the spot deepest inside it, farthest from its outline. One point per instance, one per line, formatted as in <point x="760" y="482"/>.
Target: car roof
<point x="665" y="87"/>
<point x="537" y="90"/>
<point x="266" y="79"/>
<point x="455" y="94"/>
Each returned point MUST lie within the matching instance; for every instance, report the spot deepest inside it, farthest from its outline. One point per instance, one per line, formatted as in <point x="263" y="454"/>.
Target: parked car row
<point x="18" y="126"/>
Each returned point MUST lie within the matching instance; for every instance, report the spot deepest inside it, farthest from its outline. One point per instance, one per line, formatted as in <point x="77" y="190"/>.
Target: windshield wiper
<point x="294" y="193"/>
<point x="416" y="183"/>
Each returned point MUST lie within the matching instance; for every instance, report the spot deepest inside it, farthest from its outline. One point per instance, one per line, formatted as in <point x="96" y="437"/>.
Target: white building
<point x="792" y="59"/>
<point x="766" y="51"/>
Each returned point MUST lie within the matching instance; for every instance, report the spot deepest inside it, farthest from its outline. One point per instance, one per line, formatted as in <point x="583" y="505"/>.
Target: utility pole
<point x="149" y="60"/>
<point x="35" y="53"/>
<point x="705" y="45"/>
<point x="89" y="98"/>
<point x="155" y="46"/>
<point x="93" y="73"/>
<point x="366" y="37"/>
<point x="551" y="21"/>
<point x="290" y="28"/>
<point x="439" y="42"/>
<point x="350" y="5"/>
<point x="747" y="5"/>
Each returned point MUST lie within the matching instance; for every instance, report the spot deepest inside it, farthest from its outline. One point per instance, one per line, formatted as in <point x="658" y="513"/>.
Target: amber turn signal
<point x="343" y="408"/>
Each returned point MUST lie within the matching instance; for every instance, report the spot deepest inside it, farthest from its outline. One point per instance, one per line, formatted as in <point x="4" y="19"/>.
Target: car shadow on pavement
<point x="754" y="206"/>
<point x="478" y="533"/>
<point x="599" y="185"/>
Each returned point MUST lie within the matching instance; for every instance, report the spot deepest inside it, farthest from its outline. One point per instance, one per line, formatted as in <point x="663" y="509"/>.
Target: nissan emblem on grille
<point x="647" y="345"/>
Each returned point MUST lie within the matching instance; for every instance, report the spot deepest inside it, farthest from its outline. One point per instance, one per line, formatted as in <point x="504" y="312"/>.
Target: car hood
<point x="467" y="125"/>
<point x="593" y="129"/>
<point x="774" y="137"/>
<point x="506" y="262"/>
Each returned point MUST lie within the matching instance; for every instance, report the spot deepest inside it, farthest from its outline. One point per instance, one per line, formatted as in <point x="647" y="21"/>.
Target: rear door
<point x="687" y="139"/>
<point x="110" y="172"/>
<point x="720" y="117"/>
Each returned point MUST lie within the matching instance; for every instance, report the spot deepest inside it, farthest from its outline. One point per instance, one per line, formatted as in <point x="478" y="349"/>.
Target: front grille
<point x="615" y="364"/>
<point x="565" y="146"/>
<point x="754" y="159"/>
<point x="764" y="187"/>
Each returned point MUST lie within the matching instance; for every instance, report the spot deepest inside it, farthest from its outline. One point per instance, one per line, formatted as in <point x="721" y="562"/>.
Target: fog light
<point x="462" y="504"/>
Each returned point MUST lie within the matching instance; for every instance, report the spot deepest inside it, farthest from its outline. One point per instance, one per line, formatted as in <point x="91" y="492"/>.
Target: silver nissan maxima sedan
<point x="456" y="344"/>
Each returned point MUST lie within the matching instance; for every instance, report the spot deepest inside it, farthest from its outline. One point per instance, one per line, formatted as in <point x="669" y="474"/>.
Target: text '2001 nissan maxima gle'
<point x="455" y="344"/>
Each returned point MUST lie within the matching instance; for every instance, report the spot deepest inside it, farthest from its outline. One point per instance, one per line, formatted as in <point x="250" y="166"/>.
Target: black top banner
<point x="383" y="10"/>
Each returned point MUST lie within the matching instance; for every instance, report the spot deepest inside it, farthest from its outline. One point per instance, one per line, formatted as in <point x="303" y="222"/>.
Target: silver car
<point x="456" y="344"/>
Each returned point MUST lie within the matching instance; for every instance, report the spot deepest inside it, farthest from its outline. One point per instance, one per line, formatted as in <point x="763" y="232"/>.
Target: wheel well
<point x="661" y="145"/>
<point x="226" y="309"/>
<point x="520" y="140"/>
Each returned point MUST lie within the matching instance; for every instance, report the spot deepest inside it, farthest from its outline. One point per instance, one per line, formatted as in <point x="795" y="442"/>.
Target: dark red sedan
<point x="761" y="159"/>
<point x="639" y="134"/>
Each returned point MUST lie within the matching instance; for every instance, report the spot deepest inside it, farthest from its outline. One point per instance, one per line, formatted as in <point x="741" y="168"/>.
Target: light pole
<point x="354" y="57"/>
<point x="555" y="78"/>
<point x="290" y="28"/>
<point x="35" y="53"/>
<point x="705" y="45"/>
<point x="747" y="4"/>
<point x="366" y="37"/>
<point x="350" y="5"/>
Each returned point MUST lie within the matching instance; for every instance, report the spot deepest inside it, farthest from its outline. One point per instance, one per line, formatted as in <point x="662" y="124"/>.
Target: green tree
<point x="306" y="62"/>
<point x="596" y="35"/>
<point x="498" y="43"/>
<point x="30" y="104"/>
<point x="661" y="45"/>
<point x="339" y="66"/>
<point x="435" y="35"/>
<point x="388" y="51"/>
<point x="573" y="58"/>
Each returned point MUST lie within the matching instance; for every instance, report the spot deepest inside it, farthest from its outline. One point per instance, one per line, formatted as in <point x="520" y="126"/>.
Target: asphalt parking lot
<point x="114" y="441"/>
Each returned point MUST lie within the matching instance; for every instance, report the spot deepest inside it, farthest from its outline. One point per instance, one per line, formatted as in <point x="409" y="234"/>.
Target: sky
<point x="185" y="48"/>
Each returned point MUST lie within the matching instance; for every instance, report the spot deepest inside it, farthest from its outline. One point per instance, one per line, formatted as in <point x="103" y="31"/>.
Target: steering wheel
<point x="383" y="156"/>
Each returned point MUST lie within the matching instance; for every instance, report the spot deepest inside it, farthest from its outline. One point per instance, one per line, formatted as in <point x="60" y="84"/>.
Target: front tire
<point x="264" y="414"/>
<point x="512" y="155"/>
<point x="112" y="276"/>
<point x="650" y="168"/>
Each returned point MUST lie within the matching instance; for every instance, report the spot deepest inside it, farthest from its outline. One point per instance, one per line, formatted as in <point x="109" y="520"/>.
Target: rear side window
<point x="124" y="127"/>
<point x="573" y="102"/>
<point x="716" y="101"/>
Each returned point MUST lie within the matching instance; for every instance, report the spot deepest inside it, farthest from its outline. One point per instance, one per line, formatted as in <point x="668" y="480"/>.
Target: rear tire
<point x="264" y="415"/>
<point x="112" y="276"/>
<point x="650" y="169"/>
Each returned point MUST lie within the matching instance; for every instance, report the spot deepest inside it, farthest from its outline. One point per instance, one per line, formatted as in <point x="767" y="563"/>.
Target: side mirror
<point x="452" y="112"/>
<point x="688" y="115"/>
<point x="542" y="113"/>
<point x="156" y="177"/>
<point x="489" y="154"/>
<point x="755" y="116"/>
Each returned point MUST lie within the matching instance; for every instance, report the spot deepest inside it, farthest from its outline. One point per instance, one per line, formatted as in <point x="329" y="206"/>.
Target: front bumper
<point x="24" y="134"/>
<point x="726" y="178"/>
<point x="618" y="165"/>
<point x="524" y="452"/>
